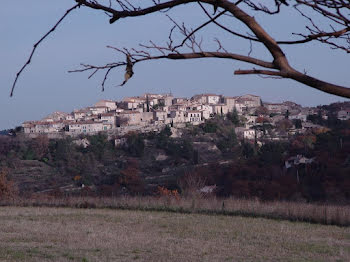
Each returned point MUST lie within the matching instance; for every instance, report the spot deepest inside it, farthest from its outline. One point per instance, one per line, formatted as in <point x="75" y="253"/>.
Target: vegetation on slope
<point x="211" y="152"/>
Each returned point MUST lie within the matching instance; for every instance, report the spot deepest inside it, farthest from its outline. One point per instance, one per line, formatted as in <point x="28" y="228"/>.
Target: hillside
<point x="312" y="166"/>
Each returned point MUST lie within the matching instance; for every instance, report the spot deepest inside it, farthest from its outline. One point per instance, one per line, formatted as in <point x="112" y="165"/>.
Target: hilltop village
<point x="234" y="146"/>
<point x="151" y="112"/>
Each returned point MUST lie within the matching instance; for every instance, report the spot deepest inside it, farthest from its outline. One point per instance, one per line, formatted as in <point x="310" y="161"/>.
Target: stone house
<point x="81" y="114"/>
<point x="166" y="100"/>
<point x="131" y="103"/>
<point x="69" y="117"/>
<point x="130" y="117"/>
<point x="179" y="100"/>
<point x="247" y="102"/>
<point x="159" y="115"/>
<point x="193" y="116"/>
<point x="177" y="116"/>
<point x="87" y="127"/>
<point x="220" y="109"/>
<point x="297" y="160"/>
<point x="344" y="114"/>
<point x="246" y="133"/>
<point x="250" y="120"/>
<point x="207" y="108"/>
<point x="276" y="108"/>
<point x="97" y="110"/>
<point x="206" y="112"/>
<point x="230" y="102"/>
<point x="109" y="118"/>
<point x="300" y="116"/>
<point x="111" y="105"/>
<point x="45" y="127"/>
<point x="206" y="98"/>
<point x="28" y="127"/>
<point x="178" y="107"/>
<point x="240" y="107"/>
<point x="55" y="116"/>
<point x="40" y="127"/>
<point x="251" y="100"/>
<point x="147" y="117"/>
<point x="212" y="98"/>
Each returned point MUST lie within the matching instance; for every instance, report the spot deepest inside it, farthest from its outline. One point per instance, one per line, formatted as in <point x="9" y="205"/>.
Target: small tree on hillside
<point x="121" y="121"/>
<point x="7" y="188"/>
<point x="261" y="110"/>
<point x="135" y="144"/>
<point x="233" y="117"/>
<point x="40" y="146"/>
<point x="191" y="183"/>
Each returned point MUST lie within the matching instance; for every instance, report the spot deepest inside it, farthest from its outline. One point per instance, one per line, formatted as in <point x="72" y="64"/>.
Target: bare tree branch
<point x="258" y="72"/>
<point x="37" y="44"/>
<point x="336" y="34"/>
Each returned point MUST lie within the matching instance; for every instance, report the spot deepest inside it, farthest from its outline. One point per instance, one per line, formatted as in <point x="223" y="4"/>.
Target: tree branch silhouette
<point x="337" y="36"/>
<point x="37" y="44"/>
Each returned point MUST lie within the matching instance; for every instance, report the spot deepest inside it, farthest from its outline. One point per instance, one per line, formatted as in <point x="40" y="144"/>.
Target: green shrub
<point x="135" y="144"/>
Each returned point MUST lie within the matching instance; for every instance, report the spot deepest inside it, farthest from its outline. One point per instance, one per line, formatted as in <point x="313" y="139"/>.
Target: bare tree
<point x="183" y="42"/>
<point x="121" y="121"/>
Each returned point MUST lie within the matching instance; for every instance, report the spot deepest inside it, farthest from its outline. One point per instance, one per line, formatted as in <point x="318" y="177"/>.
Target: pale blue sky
<point x="45" y="86"/>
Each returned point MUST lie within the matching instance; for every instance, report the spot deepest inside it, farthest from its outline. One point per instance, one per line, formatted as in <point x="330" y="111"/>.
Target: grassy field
<point x="66" y="234"/>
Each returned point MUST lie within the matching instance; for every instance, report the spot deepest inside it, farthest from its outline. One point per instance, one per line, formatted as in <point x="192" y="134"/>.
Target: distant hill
<point x="335" y="107"/>
<point x="5" y="132"/>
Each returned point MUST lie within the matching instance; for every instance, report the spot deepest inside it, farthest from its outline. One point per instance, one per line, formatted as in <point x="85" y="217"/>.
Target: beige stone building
<point x="109" y="118"/>
<point x="43" y="127"/>
<point x="207" y="98"/>
<point x="230" y="102"/>
<point x="276" y="108"/>
<point x="97" y="110"/>
<point x="88" y="127"/>
<point x="220" y="108"/>
<point x="193" y="116"/>
<point x="130" y="117"/>
<point x="111" y="105"/>
<point x="81" y="113"/>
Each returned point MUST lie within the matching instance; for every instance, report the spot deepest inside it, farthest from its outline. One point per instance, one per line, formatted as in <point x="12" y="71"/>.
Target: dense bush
<point x="210" y="127"/>
<point x="135" y="144"/>
<point x="7" y="188"/>
<point x="273" y="153"/>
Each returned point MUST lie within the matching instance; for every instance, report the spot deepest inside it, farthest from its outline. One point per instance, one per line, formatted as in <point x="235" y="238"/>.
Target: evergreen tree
<point x="147" y="102"/>
<point x="287" y="114"/>
<point x="233" y="117"/>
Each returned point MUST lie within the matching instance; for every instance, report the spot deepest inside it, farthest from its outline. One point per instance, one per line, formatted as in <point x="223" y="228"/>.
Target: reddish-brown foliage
<point x="40" y="146"/>
<point x="164" y="192"/>
<point x="130" y="177"/>
<point x="7" y="188"/>
<point x="262" y="119"/>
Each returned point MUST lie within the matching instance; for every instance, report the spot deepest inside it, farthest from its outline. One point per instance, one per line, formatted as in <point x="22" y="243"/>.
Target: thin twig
<point x="37" y="44"/>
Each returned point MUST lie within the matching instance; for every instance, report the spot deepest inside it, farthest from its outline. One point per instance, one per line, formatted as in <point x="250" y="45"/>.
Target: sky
<point x="46" y="86"/>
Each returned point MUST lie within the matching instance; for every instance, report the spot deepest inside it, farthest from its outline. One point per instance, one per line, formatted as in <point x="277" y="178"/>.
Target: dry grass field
<point x="66" y="234"/>
<point x="327" y="214"/>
